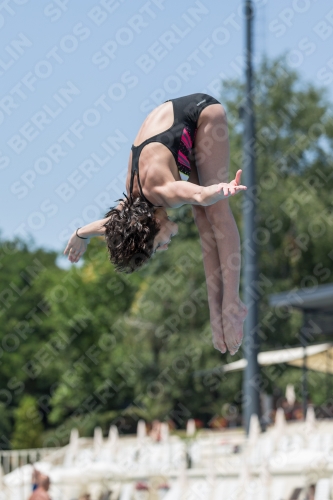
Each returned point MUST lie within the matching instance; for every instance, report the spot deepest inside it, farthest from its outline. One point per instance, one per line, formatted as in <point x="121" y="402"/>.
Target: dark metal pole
<point x="304" y="343"/>
<point x="251" y="382"/>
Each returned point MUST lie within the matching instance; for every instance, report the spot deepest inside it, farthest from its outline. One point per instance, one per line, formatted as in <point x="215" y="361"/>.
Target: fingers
<point x="75" y="255"/>
<point x="240" y="188"/>
<point x="75" y="259"/>
<point x="231" y="189"/>
<point x="226" y="191"/>
<point x="236" y="189"/>
<point x="71" y="257"/>
<point x="78" y="258"/>
<point x="238" y="176"/>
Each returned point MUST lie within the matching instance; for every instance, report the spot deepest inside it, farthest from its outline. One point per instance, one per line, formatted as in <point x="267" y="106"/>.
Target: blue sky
<point x="79" y="77"/>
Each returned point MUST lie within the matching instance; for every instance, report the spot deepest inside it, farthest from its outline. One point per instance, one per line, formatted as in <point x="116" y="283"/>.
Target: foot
<point x="218" y="337"/>
<point x="233" y="316"/>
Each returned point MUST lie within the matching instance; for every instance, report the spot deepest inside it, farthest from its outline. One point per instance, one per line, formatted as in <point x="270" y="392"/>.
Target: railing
<point x="12" y="459"/>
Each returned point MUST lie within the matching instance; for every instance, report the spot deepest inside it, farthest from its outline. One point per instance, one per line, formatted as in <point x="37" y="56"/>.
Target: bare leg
<point x="212" y="268"/>
<point x="212" y="161"/>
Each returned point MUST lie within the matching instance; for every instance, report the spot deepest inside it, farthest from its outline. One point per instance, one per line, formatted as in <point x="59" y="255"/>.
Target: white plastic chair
<point x="323" y="489"/>
<point x="278" y="489"/>
<point x="174" y="493"/>
<point x="126" y="492"/>
<point x="225" y="490"/>
<point x="199" y="490"/>
<point x="327" y="443"/>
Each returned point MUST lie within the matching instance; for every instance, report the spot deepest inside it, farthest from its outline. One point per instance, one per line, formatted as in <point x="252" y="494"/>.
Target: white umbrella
<point x="279" y="429"/>
<point x="255" y="430"/>
<point x="74" y="437"/>
<point x="72" y="447"/>
<point x="141" y="431"/>
<point x="290" y="394"/>
<point x="310" y="420"/>
<point x="98" y="441"/>
<point x="280" y="422"/>
<point x="113" y="436"/>
<point x="164" y="432"/>
<point x="190" y="427"/>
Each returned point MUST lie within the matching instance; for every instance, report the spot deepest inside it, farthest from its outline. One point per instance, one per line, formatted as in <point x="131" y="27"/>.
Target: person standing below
<point x="41" y="492"/>
<point x="35" y="478"/>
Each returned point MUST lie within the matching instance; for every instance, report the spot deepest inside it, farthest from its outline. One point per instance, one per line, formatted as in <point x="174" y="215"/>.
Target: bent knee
<point x="214" y="113"/>
<point x="214" y="125"/>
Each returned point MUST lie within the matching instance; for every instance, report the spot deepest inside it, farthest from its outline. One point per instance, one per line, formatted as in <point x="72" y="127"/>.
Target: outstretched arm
<point x="76" y="245"/>
<point x="79" y="240"/>
<point x="176" y="194"/>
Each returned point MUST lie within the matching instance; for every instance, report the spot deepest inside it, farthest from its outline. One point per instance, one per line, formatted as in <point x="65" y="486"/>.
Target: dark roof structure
<point x="318" y="298"/>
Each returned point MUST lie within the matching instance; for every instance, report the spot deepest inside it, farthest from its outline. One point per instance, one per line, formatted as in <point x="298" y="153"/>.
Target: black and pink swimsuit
<point x="179" y="138"/>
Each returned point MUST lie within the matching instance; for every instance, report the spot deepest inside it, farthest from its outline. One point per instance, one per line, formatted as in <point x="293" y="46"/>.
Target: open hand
<point x="233" y="187"/>
<point x="75" y="248"/>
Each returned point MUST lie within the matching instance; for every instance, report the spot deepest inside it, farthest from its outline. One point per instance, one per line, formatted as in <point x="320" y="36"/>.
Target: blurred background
<point x="117" y="374"/>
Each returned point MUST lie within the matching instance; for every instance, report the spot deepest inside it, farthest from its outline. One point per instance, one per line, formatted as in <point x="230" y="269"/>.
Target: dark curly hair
<point x="130" y="233"/>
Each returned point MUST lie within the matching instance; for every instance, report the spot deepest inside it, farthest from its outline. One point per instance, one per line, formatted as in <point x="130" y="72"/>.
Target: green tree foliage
<point x="96" y="347"/>
<point x="22" y="331"/>
<point x="28" y="427"/>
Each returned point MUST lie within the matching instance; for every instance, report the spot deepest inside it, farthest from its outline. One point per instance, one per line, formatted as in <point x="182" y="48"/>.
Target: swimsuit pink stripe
<point x="182" y="159"/>
<point x="186" y="139"/>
